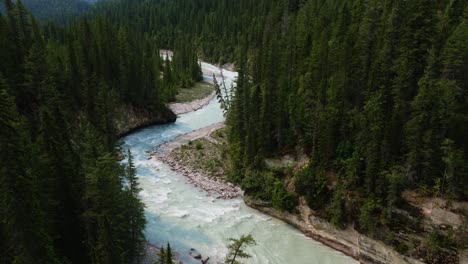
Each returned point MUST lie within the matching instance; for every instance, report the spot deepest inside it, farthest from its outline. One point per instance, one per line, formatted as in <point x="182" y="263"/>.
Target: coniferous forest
<point x="64" y="198"/>
<point x="374" y="95"/>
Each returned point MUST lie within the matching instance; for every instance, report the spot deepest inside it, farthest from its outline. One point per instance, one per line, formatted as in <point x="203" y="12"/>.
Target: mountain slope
<point x="55" y="10"/>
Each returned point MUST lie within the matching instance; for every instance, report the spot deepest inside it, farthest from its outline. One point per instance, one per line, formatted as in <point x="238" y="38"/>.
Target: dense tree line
<point x="373" y="92"/>
<point x="60" y="11"/>
<point x="366" y="89"/>
<point x="64" y="197"/>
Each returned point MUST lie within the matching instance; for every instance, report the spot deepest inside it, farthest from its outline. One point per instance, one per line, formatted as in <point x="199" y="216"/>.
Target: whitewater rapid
<point x="187" y="218"/>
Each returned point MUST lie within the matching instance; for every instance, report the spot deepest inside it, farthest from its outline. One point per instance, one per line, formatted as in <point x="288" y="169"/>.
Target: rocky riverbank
<point x="213" y="186"/>
<point x="184" y="155"/>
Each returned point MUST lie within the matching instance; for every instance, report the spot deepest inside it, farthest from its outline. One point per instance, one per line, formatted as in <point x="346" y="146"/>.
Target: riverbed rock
<point x="222" y="189"/>
<point x="195" y="254"/>
<point x="439" y="211"/>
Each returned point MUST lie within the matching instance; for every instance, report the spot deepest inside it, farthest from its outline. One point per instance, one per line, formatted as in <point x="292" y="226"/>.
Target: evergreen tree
<point x="136" y="218"/>
<point x="237" y="248"/>
<point x="169" y="256"/>
<point x="58" y="145"/>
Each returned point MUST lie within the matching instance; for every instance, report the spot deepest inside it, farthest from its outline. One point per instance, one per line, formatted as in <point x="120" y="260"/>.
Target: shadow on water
<point x="161" y="231"/>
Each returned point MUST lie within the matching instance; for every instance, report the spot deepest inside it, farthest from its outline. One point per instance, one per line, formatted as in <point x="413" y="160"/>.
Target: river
<point x="187" y="218"/>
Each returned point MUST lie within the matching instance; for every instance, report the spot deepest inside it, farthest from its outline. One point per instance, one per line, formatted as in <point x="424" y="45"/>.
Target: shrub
<point x="282" y="198"/>
<point x="313" y="185"/>
<point x="198" y="145"/>
<point x="368" y="217"/>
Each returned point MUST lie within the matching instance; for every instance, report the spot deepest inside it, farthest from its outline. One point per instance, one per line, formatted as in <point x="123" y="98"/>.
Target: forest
<point x="64" y="197"/>
<point x="373" y="93"/>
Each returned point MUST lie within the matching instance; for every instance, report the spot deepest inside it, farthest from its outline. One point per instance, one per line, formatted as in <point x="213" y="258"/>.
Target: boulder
<point x="194" y="254"/>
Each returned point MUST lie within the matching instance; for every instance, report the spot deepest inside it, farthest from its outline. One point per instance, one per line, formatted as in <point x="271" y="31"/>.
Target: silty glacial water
<point x="186" y="217"/>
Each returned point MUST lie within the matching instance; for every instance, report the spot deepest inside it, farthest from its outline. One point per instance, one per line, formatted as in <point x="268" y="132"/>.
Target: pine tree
<point x="162" y="256"/>
<point x="58" y="141"/>
<point x="136" y="218"/>
<point x="23" y="223"/>
<point x="237" y="248"/>
<point x="169" y="256"/>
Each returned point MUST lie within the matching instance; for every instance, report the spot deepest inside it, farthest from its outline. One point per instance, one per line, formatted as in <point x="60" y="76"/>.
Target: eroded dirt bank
<point x="348" y="241"/>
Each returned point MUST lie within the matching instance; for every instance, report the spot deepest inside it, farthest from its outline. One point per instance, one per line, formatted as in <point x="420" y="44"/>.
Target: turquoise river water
<point x="186" y="217"/>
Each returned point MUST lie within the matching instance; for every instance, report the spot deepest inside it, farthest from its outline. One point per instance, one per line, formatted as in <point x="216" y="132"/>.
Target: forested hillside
<point x="64" y="197"/>
<point x="373" y="92"/>
<point x="364" y="88"/>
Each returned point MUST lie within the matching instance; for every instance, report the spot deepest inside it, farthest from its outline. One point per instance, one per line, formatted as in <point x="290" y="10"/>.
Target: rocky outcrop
<point x="349" y="241"/>
<point x="197" y="256"/>
<point x="438" y="211"/>
<point x="130" y="119"/>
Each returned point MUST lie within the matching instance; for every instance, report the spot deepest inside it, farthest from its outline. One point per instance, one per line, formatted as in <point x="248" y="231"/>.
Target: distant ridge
<point x="55" y="10"/>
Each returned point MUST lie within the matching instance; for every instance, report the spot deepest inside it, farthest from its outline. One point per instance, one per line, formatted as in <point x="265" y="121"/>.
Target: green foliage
<point x="199" y="91"/>
<point x="237" y="249"/>
<point x="439" y="247"/>
<point x="269" y="186"/>
<point x="312" y="183"/>
<point x="371" y="90"/>
<point x="369" y="216"/>
<point x="169" y="255"/>
<point x="134" y="211"/>
<point x="64" y="196"/>
<point x="198" y="145"/>
<point x="454" y="178"/>
<point x="282" y="198"/>
<point x="337" y="210"/>
<point x="402" y="248"/>
<point x="396" y="181"/>
<point x="165" y="255"/>
<point x="185" y="64"/>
